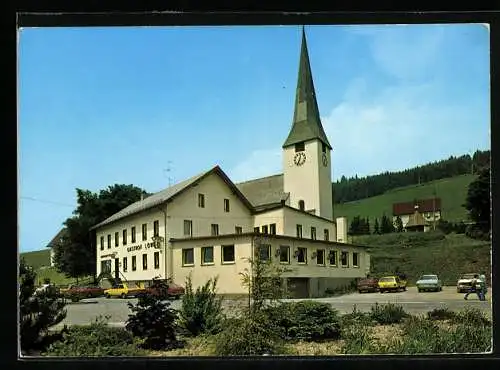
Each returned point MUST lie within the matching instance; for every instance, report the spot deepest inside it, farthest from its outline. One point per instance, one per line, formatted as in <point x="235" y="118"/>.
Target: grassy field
<point x="37" y="259"/>
<point x="430" y="253"/>
<point x="452" y="192"/>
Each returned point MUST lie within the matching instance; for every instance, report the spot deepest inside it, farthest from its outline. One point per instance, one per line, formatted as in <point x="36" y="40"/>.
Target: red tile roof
<point x="424" y="205"/>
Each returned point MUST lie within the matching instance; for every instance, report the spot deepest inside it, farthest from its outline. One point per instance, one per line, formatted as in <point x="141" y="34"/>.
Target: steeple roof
<point x="306" y="121"/>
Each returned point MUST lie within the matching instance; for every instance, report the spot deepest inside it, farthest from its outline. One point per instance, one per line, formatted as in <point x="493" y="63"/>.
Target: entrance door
<point x="117" y="268"/>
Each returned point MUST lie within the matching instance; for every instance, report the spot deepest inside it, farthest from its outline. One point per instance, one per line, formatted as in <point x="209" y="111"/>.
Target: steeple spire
<point x="306" y="121"/>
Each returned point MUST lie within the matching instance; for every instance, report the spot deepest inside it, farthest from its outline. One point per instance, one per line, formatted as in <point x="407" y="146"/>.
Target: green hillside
<point x="415" y="253"/>
<point x="452" y="192"/>
<point x="37" y="259"/>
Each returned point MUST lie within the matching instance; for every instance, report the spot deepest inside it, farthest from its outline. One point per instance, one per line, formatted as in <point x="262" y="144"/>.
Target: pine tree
<point x="376" y="228"/>
<point x="386" y="225"/>
<point x="398" y="224"/>
<point x="367" y="226"/>
<point x="38" y="311"/>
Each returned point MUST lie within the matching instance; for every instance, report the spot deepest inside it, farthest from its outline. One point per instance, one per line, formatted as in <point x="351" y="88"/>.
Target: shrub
<point x="387" y="313"/>
<point x="441" y="314"/>
<point x="472" y="316"/>
<point x="250" y="335"/>
<point x="153" y="321"/>
<point x="38" y="312"/>
<point x="201" y="311"/>
<point x="97" y="339"/>
<point x="358" y="339"/>
<point x="305" y="320"/>
<point x="356" y="317"/>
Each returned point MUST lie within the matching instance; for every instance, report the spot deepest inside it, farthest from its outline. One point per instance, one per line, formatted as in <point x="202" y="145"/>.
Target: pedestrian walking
<point x="484" y="288"/>
<point x="474" y="288"/>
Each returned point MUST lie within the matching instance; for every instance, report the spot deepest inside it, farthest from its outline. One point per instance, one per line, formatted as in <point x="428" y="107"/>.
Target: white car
<point x="464" y="282"/>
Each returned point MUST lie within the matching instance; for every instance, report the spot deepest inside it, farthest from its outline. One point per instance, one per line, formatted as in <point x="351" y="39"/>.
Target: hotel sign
<point x="138" y="247"/>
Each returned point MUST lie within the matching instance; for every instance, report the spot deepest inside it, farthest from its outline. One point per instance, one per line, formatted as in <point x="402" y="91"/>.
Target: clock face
<point x="324" y="159"/>
<point x="299" y="158"/>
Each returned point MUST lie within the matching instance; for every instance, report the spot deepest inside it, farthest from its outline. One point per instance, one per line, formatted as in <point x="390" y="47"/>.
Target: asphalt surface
<point x="85" y="311"/>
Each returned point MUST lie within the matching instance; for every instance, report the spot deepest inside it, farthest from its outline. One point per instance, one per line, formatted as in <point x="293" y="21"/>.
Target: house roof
<point x="424" y="205"/>
<point x="264" y="191"/>
<point x="57" y="239"/>
<point x="306" y="119"/>
<point x="169" y="193"/>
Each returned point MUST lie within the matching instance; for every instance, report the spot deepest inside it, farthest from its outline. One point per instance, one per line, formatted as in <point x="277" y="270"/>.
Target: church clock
<point x="299" y="158"/>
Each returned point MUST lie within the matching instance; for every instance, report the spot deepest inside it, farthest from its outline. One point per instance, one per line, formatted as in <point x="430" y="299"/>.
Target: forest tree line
<point x="354" y="188"/>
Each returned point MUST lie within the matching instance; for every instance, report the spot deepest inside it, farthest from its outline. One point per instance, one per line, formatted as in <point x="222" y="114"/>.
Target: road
<point x="413" y="302"/>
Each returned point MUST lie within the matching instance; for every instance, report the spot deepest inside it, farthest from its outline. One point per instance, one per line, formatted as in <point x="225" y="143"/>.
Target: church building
<point x="208" y="226"/>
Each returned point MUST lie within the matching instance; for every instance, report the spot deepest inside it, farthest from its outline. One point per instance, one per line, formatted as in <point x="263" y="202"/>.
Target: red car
<point x="174" y="291"/>
<point x="80" y="292"/>
<point x="368" y="285"/>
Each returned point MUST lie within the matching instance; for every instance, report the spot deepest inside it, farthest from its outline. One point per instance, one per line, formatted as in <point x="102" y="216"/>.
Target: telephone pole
<point x="168" y="171"/>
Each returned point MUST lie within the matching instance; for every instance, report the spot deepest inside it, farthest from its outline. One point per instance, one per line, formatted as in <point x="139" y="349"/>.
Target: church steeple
<point x="306" y="121"/>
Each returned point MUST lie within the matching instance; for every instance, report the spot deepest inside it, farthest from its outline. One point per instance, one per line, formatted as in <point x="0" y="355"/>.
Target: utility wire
<point x="48" y="201"/>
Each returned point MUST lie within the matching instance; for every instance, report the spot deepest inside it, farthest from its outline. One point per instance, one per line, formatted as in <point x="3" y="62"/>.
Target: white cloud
<point x="260" y="163"/>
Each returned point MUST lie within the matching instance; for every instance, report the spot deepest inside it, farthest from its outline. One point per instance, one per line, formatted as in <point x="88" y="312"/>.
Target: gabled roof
<point x="424" y="205"/>
<point x="57" y="239"/>
<point x="169" y="193"/>
<point x="306" y="120"/>
<point x="264" y="191"/>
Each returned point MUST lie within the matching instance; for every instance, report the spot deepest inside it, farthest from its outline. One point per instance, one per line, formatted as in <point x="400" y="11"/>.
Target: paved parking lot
<point x="87" y="310"/>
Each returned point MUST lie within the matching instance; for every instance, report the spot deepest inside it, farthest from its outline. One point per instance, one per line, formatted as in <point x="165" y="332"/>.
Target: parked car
<point x="81" y="292"/>
<point x="464" y="282"/>
<point x="367" y="285"/>
<point x="174" y="291"/>
<point x="123" y="290"/>
<point x="429" y="283"/>
<point x="391" y="283"/>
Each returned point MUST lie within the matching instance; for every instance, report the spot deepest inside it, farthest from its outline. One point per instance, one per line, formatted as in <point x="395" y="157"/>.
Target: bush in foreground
<point x="97" y="339"/>
<point x="305" y="320"/>
<point x="387" y="314"/>
<point x="441" y="314"/>
<point x="358" y="339"/>
<point x="246" y="336"/>
<point x="201" y="311"/>
<point x="154" y="322"/>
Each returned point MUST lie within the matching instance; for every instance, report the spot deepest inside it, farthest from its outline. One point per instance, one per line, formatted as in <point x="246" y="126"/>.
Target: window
<point x="302" y="255"/>
<point x="256" y="230"/>
<point x="227" y="253"/>
<point x="323" y="148"/>
<point x="300" y="147"/>
<point x="132" y="232"/>
<point x="156" y="258"/>
<point x="344" y="259"/>
<point x="106" y="266"/>
<point x="134" y="263"/>
<point x="124" y="237"/>
<point x="327" y="235"/>
<point x="109" y="241"/>
<point x="156" y="228"/>
<point x="284" y="254"/>
<point x="125" y="267"/>
<point x="201" y="200"/>
<point x="238" y="230"/>
<point x="264" y="229"/>
<point x="144" y="261"/>
<point x="264" y="252"/>
<point x="117" y="235"/>
<point x="299" y="231"/>
<point x="272" y="229"/>
<point x="355" y="259"/>
<point x="188" y="228"/>
<point x="302" y="205"/>
<point x="102" y="243"/>
<point x="226" y="205"/>
<point x="187" y="256"/>
<point x="207" y="255"/>
<point x="313" y="233"/>
<point x="332" y="258"/>
<point x="320" y="257"/>
<point x="215" y="229"/>
<point x="144" y="232"/>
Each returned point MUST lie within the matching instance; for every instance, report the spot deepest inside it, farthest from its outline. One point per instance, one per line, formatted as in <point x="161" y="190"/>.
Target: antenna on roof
<point x="168" y="170"/>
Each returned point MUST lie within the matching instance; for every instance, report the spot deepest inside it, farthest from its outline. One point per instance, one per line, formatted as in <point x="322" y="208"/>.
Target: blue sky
<point x="99" y="106"/>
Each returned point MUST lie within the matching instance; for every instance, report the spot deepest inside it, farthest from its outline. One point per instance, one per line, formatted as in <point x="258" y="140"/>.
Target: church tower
<point x="306" y="151"/>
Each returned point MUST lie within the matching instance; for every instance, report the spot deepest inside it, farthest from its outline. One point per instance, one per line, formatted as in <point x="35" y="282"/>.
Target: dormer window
<point x="300" y="147"/>
<point x="302" y="205"/>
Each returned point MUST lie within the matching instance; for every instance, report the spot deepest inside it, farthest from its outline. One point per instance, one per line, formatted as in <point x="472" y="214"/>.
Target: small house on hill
<point x="418" y="215"/>
<point x="55" y="241"/>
